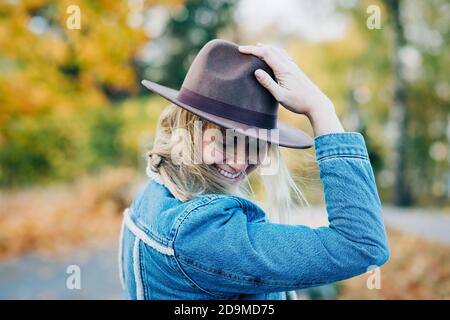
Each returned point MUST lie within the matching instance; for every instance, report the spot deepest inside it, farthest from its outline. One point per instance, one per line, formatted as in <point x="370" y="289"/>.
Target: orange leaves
<point x="44" y="65"/>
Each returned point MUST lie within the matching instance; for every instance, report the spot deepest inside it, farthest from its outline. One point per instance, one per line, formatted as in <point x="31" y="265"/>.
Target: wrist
<point x="324" y="120"/>
<point x="320" y="109"/>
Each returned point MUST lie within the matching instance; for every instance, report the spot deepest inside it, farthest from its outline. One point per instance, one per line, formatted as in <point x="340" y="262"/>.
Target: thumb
<point x="267" y="82"/>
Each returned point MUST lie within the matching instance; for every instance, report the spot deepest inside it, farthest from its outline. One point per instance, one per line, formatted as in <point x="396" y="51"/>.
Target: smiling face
<point x="230" y="155"/>
<point x="182" y="142"/>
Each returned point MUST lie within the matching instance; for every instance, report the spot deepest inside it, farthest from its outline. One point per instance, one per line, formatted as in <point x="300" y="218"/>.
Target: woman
<point x="194" y="232"/>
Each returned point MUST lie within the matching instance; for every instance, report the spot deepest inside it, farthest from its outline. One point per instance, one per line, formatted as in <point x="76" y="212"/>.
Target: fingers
<point x="250" y="49"/>
<point x="284" y="54"/>
<point x="267" y="82"/>
<point x="267" y="53"/>
<point x="277" y="59"/>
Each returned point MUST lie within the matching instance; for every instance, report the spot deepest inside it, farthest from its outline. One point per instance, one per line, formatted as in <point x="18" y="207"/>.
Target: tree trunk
<point x="399" y="111"/>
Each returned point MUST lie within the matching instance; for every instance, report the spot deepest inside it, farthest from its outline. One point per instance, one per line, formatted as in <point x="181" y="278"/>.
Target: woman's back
<point x="223" y="247"/>
<point x="150" y="269"/>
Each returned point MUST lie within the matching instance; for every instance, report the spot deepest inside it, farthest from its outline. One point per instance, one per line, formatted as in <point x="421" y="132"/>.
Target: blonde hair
<point x="171" y="159"/>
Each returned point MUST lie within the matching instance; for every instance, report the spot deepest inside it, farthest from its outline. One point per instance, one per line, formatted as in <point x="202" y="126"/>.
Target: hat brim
<point x="289" y="136"/>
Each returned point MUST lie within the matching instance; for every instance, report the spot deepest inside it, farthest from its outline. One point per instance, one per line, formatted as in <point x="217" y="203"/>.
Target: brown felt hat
<point x="220" y="87"/>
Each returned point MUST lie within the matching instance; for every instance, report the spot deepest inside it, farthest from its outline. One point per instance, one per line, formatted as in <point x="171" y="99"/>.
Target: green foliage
<point x="104" y="133"/>
<point x="34" y="151"/>
<point x="425" y="70"/>
<point x="68" y="97"/>
<point x="66" y="105"/>
<point x="185" y="34"/>
<point x="50" y="66"/>
<point x="53" y="146"/>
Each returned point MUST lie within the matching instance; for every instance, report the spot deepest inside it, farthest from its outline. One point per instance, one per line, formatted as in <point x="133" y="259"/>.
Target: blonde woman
<point x="194" y="232"/>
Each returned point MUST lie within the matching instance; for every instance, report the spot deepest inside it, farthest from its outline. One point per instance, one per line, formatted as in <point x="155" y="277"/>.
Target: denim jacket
<point x="223" y="247"/>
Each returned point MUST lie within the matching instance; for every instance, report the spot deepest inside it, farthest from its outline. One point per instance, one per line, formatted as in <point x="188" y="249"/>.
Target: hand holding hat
<point x="220" y="87"/>
<point x="293" y="88"/>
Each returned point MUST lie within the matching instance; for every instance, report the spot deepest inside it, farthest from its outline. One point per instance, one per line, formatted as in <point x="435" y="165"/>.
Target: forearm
<point x="347" y="176"/>
<point x="352" y="201"/>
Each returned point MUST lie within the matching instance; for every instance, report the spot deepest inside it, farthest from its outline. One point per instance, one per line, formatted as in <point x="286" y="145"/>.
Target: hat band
<point x="225" y="110"/>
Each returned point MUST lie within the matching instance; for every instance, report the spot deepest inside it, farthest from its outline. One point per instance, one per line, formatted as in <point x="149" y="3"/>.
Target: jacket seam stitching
<point x="152" y="234"/>
<point x="188" y="278"/>
<point x="342" y="156"/>
<point x="145" y="289"/>
<point x="139" y="233"/>
<point x="137" y="270"/>
<point x="239" y="278"/>
<point x="193" y="207"/>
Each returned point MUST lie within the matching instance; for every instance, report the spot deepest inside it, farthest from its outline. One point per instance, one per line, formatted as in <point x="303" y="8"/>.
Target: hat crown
<point x="222" y="73"/>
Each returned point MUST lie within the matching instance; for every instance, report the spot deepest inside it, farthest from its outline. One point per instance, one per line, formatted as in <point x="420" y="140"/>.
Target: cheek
<point x="211" y="154"/>
<point x="257" y="155"/>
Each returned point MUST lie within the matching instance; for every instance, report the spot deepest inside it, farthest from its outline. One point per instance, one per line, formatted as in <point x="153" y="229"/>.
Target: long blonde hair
<point x="171" y="159"/>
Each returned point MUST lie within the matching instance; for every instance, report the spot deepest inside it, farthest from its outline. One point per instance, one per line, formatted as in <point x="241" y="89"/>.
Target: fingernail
<point x="258" y="73"/>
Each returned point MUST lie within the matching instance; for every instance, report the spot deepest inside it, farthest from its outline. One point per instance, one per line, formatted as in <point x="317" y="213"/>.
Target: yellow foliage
<point x="56" y="67"/>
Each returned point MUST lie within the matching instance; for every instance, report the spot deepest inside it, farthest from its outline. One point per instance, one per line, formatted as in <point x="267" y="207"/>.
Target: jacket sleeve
<point x="222" y="252"/>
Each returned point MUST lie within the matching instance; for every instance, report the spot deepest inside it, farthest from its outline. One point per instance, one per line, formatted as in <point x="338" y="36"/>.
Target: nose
<point x="238" y="162"/>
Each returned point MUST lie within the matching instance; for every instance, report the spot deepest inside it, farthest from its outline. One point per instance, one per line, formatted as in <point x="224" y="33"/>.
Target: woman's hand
<point x="293" y="89"/>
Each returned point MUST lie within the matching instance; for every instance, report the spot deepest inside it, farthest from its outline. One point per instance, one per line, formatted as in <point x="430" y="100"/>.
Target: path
<point x="427" y="224"/>
<point x="37" y="277"/>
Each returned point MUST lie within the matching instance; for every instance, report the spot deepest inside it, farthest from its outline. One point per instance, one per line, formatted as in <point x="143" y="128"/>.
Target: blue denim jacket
<point x="223" y="247"/>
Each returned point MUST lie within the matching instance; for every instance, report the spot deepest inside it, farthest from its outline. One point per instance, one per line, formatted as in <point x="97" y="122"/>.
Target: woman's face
<point x="231" y="156"/>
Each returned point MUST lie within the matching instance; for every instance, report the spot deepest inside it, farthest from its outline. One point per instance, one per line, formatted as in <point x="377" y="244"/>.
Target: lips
<point x="227" y="174"/>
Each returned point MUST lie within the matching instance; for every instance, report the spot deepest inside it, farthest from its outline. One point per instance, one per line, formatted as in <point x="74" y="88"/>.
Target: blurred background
<point x="75" y="124"/>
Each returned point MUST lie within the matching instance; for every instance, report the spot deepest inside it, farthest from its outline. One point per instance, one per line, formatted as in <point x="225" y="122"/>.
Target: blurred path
<point x="37" y="277"/>
<point x="429" y="225"/>
<point x="424" y="223"/>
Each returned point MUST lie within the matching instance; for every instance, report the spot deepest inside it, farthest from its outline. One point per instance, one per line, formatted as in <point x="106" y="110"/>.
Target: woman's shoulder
<point x="212" y="207"/>
<point x="207" y="228"/>
<point x="212" y="201"/>
<point x="158" y="210"/>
